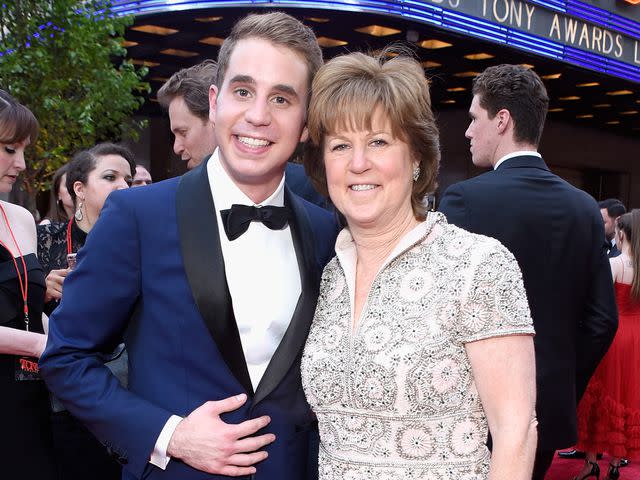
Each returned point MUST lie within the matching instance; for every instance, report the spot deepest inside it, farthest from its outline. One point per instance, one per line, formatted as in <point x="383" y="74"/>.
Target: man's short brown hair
<point x="518" y="90"/>
<point x="281" y="30"/>
<point x="192" y="84"/>
<point x="345" y="94"/>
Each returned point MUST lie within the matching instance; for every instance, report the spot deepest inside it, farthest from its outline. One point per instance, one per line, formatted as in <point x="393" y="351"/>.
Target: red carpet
<point x="562" y="469"/>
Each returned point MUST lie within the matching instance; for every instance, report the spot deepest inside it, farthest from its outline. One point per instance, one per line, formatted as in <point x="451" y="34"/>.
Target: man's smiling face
<point x="259" y="111"/>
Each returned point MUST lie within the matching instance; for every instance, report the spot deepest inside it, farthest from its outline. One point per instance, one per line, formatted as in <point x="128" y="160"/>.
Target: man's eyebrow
<point x="243" y="79"/>
<point x="281" y="87"/>
<point x="288" y="89"/>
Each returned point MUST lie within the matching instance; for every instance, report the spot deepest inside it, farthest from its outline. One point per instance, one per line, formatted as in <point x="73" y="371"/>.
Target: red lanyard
<point x="24" y="287"/>
<point x="69" y="249"/>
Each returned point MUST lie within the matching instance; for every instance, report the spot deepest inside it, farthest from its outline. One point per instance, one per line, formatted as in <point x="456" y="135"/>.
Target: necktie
<point x="236" y="220"/>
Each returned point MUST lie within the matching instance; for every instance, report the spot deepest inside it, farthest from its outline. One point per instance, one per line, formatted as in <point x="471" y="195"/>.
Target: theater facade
<point x="587" y="52"/>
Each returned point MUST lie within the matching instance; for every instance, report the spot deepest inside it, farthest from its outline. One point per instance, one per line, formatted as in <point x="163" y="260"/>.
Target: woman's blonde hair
<point x="348" y="89"/>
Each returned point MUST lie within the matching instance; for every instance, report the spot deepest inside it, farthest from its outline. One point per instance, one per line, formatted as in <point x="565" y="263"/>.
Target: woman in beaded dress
<point x="25" y="444"/>
<point x="422" y="338"/>
<point x="90" y="176"/>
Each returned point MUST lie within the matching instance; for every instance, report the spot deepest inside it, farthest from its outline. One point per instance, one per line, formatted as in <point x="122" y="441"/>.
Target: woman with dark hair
<point x="24" y="411"/>
<point x="91" y="176"/>
<point x="609" y="412"/>
<point x="60" y="203"/>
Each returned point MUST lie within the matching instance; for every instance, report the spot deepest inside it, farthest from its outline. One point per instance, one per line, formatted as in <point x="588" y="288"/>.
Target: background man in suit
<point x="555" y="232"/>
<point x="142" y="177"/>
<point x="212" y="280"/>
<point x="185" y="96"/>
<point x="611" y="209"/>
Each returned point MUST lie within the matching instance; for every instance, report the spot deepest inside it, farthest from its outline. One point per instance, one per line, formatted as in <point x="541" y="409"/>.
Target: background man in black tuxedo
<point x="555" y="232"/>
<point x="185" y="96"/>
<point x="611" y="209"/>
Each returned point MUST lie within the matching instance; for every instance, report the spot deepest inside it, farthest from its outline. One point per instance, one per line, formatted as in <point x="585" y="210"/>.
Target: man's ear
<point x="213" y="96"/>
<point x="504" y="117"/>
<point x="304" y="136"/>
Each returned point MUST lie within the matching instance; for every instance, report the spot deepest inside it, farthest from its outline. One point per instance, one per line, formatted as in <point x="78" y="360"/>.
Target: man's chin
<point x="191" y="164"/>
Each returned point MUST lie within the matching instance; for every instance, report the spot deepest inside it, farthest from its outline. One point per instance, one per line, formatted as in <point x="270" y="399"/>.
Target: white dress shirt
<point x="262" y="273"/>
<point x="516" y="154"/>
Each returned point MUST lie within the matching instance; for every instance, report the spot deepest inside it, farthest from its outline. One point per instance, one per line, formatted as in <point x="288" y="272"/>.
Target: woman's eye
<point x="339" y="147"/>
<point x="378" y="142"/>
<point x="10" y="150"/>
<point x="111" y="178"/>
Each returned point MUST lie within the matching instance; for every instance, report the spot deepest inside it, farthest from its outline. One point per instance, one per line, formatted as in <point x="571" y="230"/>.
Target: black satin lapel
<point x="296" y="334"/>
<point x="204" y="266"/>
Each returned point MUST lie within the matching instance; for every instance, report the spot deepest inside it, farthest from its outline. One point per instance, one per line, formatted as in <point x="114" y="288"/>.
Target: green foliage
<point x="64" y="59"/>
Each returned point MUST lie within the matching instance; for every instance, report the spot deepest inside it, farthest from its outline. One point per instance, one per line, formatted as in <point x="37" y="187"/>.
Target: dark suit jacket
<point x="152" y="272"/>
<point x="297" y="180"/>
<point x="612" y="249"/>
<point x="555" y="232"/>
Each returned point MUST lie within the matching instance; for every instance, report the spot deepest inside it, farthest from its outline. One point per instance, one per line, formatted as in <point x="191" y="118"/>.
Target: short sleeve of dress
<point x="495" y="303"/>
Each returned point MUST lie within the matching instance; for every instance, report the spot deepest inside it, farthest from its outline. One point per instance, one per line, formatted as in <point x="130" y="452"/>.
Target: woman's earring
<point x="78" y="213"/>
<point x="416" y="173"/>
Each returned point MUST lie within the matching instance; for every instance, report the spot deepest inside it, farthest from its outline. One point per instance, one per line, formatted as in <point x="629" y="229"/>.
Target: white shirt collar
<point x="516" y="154"/>
<point x="226" y="192"/>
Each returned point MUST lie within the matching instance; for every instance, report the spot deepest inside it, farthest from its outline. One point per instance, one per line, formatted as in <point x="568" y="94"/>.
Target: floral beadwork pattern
<point x="395" y="395"/>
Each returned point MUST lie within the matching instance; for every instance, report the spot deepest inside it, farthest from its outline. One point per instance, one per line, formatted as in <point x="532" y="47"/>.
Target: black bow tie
<point x="237" y="219"/>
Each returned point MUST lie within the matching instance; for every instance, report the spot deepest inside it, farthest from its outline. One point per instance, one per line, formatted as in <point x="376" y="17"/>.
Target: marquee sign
<point x="567" y="30"/>
<point x="587" y="29"/>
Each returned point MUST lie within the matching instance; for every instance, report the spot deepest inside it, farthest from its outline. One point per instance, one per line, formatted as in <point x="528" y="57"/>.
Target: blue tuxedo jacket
<point x="555" y="232"/>
<point x="152" y="272"/>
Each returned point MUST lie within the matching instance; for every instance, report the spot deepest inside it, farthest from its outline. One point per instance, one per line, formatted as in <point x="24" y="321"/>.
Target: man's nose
<point x="178" y="146"/>
<point x="258" y="112"/>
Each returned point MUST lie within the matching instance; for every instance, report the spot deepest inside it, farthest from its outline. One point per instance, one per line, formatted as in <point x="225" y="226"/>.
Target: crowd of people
<point x="256" y="318"/>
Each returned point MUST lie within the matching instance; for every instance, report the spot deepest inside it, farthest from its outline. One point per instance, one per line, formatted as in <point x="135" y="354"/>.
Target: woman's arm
<point x="505" y="375"/>
<point x="19" y="342"/>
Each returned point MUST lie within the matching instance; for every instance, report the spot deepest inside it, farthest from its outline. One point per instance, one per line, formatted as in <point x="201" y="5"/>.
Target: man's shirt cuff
<point x="159" y="457"/>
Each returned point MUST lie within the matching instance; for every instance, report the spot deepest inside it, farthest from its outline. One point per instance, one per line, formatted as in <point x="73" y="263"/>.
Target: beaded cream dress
<point x="395" y="397"/>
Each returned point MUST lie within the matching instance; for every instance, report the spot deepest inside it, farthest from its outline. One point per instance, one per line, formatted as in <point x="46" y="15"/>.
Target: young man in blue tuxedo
<point x="212" y="280"/>
<point x="554" y="231"/>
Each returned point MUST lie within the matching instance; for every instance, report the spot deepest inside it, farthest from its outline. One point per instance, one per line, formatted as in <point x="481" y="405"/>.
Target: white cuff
<point x="159" y="457"/>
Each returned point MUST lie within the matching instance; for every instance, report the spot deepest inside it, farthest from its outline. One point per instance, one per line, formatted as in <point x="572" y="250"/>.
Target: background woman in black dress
<point x="25" y="444"/>
<point x="90" y="176"/>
